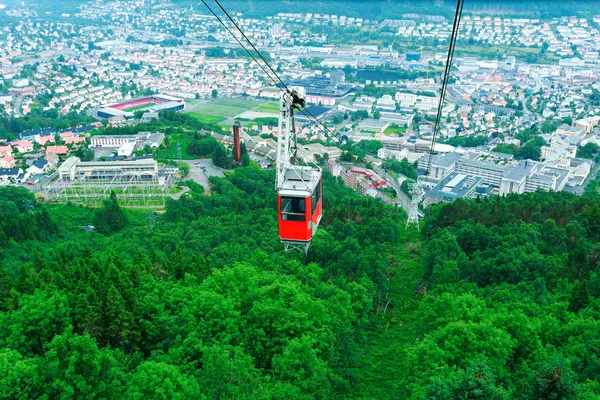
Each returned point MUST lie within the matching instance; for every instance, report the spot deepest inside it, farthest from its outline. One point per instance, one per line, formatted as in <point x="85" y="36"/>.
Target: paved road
<point x="17" y="107"/>
<point x="201" y="170"/>
<point x="590" y="177"/>
<point x="401" y="198"/>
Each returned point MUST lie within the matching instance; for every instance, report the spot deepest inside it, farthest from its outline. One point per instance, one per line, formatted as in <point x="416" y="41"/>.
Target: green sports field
<point x="228" y="107"/>
<point x="270" y="107"/>
<point x="206" y="118"/>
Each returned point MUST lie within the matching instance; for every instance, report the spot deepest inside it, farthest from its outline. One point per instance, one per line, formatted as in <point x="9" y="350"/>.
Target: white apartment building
<point x="111" y="140"/>
<point x="558" y="150"/>
<point x="410" y="156"/>
<point x="489" y="172"/>
<point x="386" y="103"/>
<point x="529" y="176"/>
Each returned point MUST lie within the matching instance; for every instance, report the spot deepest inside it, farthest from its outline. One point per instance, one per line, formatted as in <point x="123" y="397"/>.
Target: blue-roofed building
<point x="9" y="175"/>
<point x="40" y="166"/>
<point x="35" y="134"/>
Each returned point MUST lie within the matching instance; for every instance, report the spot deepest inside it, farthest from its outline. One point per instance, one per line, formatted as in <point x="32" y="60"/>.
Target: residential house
<point x="22" y="146"/>
<point x="9" y="175"/>
<point x="52" y="159"/>
<point x="59" y="150"/>
<point x="44" y="140"/>
<point x="5" y="150"/>
<point x="38" y="167"/>
<point x="7" y="162"/>
<point x="74" y="140"/>
<point x="149" y="116"/>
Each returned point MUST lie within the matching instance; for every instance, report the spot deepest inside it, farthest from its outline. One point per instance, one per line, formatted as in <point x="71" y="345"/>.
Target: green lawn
<point x="141" y="107"/>
<point x="220" y="110"/>
<point x="228" y="107"/>
<point x="390" y="130"/>
<point x="270" y="107"/>
<point x="171" y="152"/>
<point x="208" y="119"/>
<point x="237" y="103"/>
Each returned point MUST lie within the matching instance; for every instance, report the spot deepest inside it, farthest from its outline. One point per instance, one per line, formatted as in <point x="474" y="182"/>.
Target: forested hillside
<point x="495" y="299"/>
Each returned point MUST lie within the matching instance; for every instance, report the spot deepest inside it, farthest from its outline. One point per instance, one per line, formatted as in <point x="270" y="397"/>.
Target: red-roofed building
<point x="44" y="140"/>
<point x="58" y="150"/>
<point x="22" y="146"/>
<point x="74" y="139"/>
<point x="67" y="134"/>
<point x="5" y="150"/>
<point x="7" y="162"/>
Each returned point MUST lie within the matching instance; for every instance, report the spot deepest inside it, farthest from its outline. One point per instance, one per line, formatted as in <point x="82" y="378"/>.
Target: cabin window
<point x="293" y="209"/>
<point x="315" y="197"/>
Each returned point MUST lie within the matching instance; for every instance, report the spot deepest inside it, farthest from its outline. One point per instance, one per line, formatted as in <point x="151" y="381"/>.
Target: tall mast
<point x="286" y="139"/>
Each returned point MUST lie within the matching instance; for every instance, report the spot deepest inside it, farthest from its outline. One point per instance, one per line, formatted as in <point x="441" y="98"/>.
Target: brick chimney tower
<point x="237" y="151"/>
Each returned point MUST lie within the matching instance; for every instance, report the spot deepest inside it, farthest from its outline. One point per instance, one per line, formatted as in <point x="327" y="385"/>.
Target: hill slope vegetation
<point x="494" y="299"/>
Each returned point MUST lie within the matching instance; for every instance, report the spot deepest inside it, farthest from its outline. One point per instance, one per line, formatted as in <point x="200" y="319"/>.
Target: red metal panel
<point x="316" y="217"/>
<point x="295" y="230"/>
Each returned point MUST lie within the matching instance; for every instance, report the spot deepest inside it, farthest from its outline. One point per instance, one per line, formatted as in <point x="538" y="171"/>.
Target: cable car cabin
<point x="299" y="206"/>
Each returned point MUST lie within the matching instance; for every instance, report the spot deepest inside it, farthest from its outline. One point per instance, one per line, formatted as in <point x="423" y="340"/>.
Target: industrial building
<point x="529" y="176"/>
<point x="308" y="152"/>
<point x="347" y="176"/>
<point x="141" y="181"/>
<point x="115" y="141"/>
<point x="333" y="87"/>
<point x="504" y="175"/>
<point x="455" y="186"/>
<point x="490" y="172"/>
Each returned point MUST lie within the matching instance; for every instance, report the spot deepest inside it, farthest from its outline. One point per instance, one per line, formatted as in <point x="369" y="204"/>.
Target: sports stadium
<point x="154" y="103"/>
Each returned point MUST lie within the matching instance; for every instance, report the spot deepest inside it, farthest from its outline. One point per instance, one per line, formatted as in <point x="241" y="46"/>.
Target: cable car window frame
<point x="315" y="197"/>
<point x="295" y="214"/>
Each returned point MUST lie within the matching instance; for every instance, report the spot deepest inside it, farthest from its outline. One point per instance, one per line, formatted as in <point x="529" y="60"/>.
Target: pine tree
<point x="110" y="218"/>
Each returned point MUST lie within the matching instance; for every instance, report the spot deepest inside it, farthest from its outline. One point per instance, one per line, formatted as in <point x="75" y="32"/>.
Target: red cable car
<point x="299" y="206"/>
<point x="298" y="187"/>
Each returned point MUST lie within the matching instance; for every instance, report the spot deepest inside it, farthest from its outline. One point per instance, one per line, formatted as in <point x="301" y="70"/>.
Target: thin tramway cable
<point x="256" y="61"/>
<point x="451" y="47"/>
<point x="298" y="150"/>
<point x="237" y="40"/>
<point x="251" y="44"/>
<point x="306" y="110"/>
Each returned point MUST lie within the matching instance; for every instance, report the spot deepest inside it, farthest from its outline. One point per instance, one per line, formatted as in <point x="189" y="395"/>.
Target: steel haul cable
<point x="305" y="110"/>
<point x="453" y="37"/>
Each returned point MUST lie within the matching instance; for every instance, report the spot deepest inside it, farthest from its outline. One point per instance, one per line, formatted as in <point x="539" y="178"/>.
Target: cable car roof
<point x="300" y="181"/>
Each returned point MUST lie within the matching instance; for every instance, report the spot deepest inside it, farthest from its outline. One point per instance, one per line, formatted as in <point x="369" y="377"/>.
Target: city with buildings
<point x="300" y="199"/>
<point x="521" y="112"/>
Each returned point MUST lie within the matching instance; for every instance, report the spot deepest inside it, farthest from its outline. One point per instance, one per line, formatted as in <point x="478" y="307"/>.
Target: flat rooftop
<point x="455" y="186"/>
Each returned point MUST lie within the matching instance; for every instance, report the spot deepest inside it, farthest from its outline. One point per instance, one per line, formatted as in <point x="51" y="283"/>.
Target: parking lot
<point x="201" y="170"/>
<point x="262" y="161"/>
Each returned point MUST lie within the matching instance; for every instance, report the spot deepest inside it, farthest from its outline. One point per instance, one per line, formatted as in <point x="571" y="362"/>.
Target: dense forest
<point x="492" y="299"/>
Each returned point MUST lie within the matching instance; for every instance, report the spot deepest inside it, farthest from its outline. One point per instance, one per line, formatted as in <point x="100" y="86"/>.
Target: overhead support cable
<point x="452" y="46"/>
<point x="278" y="80"/>
<point x="237" y="40"/>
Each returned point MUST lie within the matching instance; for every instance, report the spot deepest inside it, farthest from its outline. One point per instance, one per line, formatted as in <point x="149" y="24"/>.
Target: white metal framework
<point x="293" y="180"/>
<point x="416" y="192"/>
<point x="140" y="182"/>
